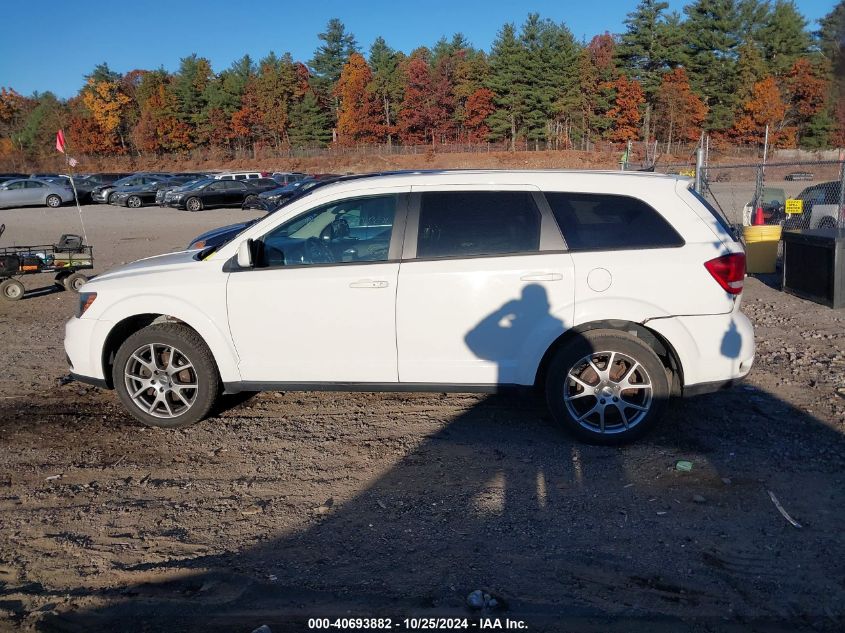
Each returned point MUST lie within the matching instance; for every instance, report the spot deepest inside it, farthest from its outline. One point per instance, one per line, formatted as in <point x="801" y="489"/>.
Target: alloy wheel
<point x="161" y="380"/>
<point x="608" y="392"/>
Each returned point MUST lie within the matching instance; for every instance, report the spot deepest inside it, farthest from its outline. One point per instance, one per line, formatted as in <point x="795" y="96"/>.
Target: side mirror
<point x="245" y="254"/>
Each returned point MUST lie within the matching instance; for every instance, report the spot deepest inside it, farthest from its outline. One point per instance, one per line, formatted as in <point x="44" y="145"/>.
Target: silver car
<point x="33" y="191"/>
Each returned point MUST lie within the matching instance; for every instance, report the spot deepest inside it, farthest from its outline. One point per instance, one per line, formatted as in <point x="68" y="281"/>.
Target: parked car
<point x="33" y="191"/>
<point x="139" y="195"/>
<point x="87" y="183"/>
<point x="103" y="193"/>
<point x="165" y="194"/>
<point x="210" y="193"/>
<point x="287" y="177"/>
<point x="269" y="200"/>
<point x="241" y="175"/>
<point x="821" y="206"/>
<point x="799" y="175"/>
<point x="221" y="235"/>
<point x="609" y="291"/>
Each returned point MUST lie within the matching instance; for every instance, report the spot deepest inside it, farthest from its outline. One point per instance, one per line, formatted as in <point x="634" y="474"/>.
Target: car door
<point x="13" y="193"/>
<point x="319" y="307"/>
<point x="236" y="191"/>
<point x="214" y="194"/>
<point x="484" y="286"/>
<point x="34" y="192"/>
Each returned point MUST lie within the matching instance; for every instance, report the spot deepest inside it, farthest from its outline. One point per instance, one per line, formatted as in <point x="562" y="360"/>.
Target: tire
<point x="60" y="279"/>
<point x="74" y="281"/>
<point x="597" y="417"/>
<point x="193" y="204"/>
<point x="249" y="201"/>
<point x="110" y="198"/>
<point x="54" y="201"/>
<point x="134" y="202"/>
<point x="11" y="290"/>
<point x="160" y="404"/>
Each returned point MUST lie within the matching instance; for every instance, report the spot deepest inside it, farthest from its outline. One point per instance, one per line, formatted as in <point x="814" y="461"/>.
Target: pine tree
<point x="642" y="48"/>
<point x="329" y="59"/>
<point x="386" y="84"/>
<point x="784" y="37"/>
<point x="711" y="33"/>
<point x="309" y="123"/>
<point x="507" y="66"/>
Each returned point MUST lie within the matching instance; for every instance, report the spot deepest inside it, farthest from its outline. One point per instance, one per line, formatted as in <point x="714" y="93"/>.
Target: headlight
<point x="85" y="301"/>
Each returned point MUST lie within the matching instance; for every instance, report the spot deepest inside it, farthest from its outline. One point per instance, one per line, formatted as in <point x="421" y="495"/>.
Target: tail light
<point x="728" y="271"/>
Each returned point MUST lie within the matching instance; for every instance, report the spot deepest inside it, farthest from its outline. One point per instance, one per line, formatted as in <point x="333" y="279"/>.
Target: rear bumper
<point x="713" y="350"/>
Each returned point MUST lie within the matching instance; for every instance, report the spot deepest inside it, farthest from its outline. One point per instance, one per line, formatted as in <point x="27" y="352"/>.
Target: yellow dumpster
<point x="761" y="248"/>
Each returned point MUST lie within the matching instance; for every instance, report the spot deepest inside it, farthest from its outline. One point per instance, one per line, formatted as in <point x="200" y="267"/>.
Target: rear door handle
<point x="369" y="283"/>
<point x="542" y="277"/>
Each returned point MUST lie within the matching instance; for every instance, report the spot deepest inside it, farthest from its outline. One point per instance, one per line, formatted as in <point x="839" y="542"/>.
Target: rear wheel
<point x="193" y="204"/>
<point x="11" y="289"/>
<point x="74" y="281"/>
<point x="165" y="376"/>
<point x="54" y="201"/>
<point x="607" y="387"/>
<point x="134" y="202"/>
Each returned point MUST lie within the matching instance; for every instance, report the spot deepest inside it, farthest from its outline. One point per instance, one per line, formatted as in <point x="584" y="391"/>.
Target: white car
<point x="610" y="291"/>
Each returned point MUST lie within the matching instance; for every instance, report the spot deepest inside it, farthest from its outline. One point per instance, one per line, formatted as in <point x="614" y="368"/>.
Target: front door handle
<point x="369" y="283"/>
<point x="542" y="277"/>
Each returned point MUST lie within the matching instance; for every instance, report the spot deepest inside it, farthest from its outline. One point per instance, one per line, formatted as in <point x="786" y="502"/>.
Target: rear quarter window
<point x="591" y="221"/>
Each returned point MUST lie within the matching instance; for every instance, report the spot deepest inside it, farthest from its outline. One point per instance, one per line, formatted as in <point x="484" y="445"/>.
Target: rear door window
<point x="592" y="221"/>
<point x="472" y="223"/>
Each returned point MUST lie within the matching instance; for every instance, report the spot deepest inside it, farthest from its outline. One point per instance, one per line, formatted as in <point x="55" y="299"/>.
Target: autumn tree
<point x="477" y="110"/>
<point x="359" y="118"/>
<point x="808" y="89"/>
<point x="765" y="107"/>
<point x="625" y="113"/>
<point x="108" y="104"/>
<point x="680" y="113"/>
<point x="415" y="122"/>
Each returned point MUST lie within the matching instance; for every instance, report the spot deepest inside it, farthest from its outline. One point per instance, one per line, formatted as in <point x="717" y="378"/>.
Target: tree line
<point x="727" y="67"/>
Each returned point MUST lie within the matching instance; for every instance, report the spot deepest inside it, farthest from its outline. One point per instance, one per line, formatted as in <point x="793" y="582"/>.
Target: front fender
<point x="211" y="325"/>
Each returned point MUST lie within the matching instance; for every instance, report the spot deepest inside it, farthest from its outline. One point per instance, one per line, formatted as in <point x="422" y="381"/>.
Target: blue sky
<point x="52" y="46"/>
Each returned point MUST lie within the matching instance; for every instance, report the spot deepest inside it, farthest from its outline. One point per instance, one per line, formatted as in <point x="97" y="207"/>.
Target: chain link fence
<point x="794" y="195"/>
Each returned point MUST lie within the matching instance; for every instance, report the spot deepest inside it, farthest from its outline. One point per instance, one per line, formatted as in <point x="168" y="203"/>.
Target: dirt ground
<point x="292" y="506"/>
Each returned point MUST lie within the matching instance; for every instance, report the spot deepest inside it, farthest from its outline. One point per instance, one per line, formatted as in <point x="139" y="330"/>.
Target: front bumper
<point x="84" y="341"/>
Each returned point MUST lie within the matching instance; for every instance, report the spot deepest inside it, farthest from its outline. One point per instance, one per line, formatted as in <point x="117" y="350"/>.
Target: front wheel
<point x="193" y="204"/>
<point x="606" y="387"/>
<point x="134" y="202"/>
<point x="54" y="201"/>
<point x="165" y="376"/>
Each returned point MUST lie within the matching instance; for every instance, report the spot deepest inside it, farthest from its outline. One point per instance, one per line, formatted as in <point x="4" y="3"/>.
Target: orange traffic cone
<point x="758" y="217"/>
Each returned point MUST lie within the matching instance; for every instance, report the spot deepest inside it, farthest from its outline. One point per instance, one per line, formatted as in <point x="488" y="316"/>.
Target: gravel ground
<point x="296" y="505"/>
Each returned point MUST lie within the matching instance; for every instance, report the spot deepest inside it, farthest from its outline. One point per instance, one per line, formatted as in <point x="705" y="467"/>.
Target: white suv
<point x="611" y="291"/>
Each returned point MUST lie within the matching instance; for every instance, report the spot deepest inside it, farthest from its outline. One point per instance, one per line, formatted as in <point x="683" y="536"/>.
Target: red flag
<point x="60" y="141"/>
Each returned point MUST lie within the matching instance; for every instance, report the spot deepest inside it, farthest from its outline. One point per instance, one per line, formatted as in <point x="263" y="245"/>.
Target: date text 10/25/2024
<point x="416" y="624"/>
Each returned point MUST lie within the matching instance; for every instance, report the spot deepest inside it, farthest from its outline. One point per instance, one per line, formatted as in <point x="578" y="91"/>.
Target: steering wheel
<point x="318" y="252"/>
